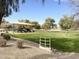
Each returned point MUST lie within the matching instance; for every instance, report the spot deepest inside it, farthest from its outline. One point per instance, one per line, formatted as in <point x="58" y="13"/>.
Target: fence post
<point x="40" y="42"/>
<point x="51" y="44"/>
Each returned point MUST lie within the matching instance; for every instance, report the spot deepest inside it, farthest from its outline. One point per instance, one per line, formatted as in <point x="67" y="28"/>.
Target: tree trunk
<point x="1" y="18"/>
<point x="0" y="21"/>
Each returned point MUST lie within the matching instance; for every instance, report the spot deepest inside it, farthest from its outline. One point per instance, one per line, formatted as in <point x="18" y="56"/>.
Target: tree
<point x="4" y="24"/>
<point x="49" y="23"/>
<point x="66" y="22"/>
<point x="25" y="21"/>
<point x="76" y="25"/>
<point x="9" y="27"/>
<point x="43" y="1"/>
<point x="36" y="25"/>
<point x="6" y="7"/>
<point x="4" y="21"/>
<point x="75" y="5"/>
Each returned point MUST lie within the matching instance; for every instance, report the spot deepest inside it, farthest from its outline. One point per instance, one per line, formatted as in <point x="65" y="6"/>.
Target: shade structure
<point x="21" y="23"/>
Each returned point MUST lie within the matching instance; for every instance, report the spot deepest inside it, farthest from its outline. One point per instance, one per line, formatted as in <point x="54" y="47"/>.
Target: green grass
<point x="61" y="40"/>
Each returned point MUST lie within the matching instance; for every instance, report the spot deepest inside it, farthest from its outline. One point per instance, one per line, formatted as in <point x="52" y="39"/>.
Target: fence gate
<point x="45" y="43"/>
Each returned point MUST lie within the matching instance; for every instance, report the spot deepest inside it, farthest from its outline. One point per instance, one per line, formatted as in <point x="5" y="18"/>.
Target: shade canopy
<point x="21" y="23"/>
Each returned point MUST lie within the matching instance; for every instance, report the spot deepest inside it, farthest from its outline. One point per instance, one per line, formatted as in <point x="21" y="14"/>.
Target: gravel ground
<point x="28" y="52"/>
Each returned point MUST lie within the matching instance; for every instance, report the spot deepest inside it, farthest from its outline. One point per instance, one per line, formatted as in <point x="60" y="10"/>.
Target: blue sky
<point x="35" y="11"/>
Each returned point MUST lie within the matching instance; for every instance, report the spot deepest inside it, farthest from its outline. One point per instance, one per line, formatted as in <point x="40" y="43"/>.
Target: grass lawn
<point x="61" y="40"/>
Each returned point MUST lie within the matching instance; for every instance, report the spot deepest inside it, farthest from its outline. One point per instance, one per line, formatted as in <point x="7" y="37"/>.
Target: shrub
<point x="2" y="43"/>
<point x="6" y="36"/>
<point x="19" y="44"/>
<point x="2" y="34"/>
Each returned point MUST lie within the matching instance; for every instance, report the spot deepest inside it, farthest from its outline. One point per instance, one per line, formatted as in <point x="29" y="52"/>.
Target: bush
<point x="2" y="34"/>
<point x="2" y="43"/>
<point x="19" y="44"/>
<point x="6" y="36"/>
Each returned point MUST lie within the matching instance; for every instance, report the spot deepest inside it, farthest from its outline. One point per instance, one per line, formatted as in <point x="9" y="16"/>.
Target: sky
<point x="34" y="10"/>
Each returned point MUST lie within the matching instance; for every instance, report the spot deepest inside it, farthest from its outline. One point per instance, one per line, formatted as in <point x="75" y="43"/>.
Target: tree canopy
<point x="76" y="25"/>
<point x="36" y="25"/>
<point x="49" y="23"/>
<point x="7" y="6"/>
<point x="66" y="22"/>
<point x="25" y="21"/>
<point x="75" y="6"/>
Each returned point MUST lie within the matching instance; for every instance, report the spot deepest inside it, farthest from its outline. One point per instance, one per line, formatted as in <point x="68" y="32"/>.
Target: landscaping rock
<point x="19" y="43"/>
<point x="3" y="43"/>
